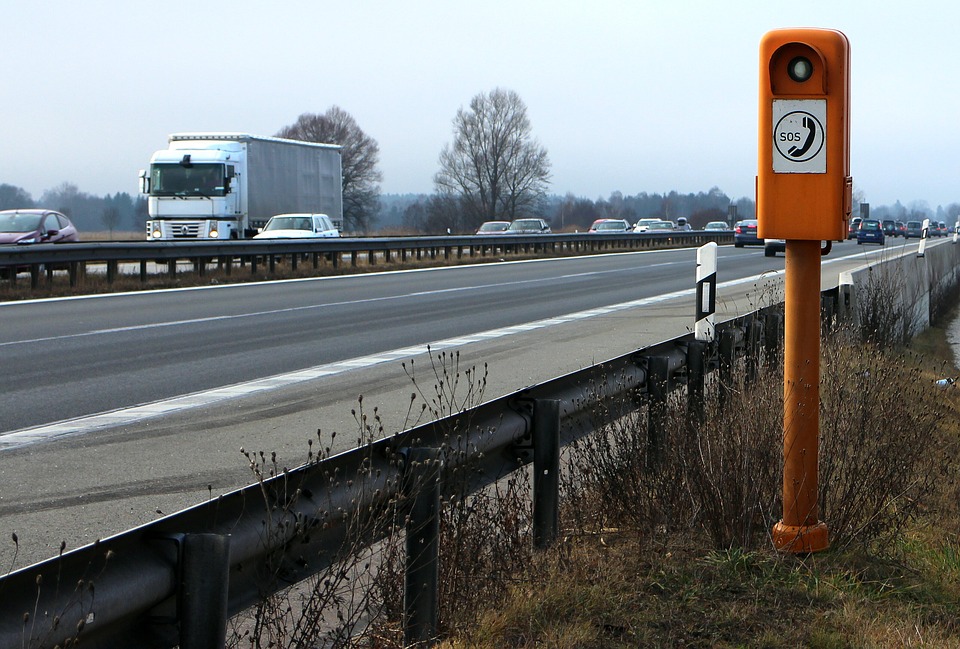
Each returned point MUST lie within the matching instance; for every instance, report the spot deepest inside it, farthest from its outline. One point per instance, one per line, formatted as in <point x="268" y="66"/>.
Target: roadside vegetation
<point x="681" y="555"/>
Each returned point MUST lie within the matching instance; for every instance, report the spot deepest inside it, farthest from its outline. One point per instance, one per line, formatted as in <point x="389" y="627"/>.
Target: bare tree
<point x="359" y="158"/>
<point x="495" y="166"/>
<point x="110" y="217"/>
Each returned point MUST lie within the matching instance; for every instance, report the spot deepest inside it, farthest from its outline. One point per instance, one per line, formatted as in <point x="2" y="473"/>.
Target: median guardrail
<point x="260" y="254"/>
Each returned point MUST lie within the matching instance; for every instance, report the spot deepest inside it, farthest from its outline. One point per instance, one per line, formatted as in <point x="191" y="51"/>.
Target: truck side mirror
<point x="144" y="182"/>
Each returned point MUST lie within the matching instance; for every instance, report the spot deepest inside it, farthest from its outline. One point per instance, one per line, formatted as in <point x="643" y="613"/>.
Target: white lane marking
<point x="81" y="425"/>
<point x="308" y="307"/>
<point x="124" y="416"/>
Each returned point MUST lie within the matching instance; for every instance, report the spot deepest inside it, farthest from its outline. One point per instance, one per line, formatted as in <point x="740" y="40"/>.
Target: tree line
<point x="90" y="213"/>
<point x="492" y="169"/>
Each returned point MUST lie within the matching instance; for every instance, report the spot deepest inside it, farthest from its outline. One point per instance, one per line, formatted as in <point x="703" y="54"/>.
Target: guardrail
<point x="256" y="254"/>
<point x="174" y="581"/>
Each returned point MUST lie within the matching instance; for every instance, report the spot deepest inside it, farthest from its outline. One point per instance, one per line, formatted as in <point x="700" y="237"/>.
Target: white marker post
<point x="704" y="329"/>
<point x="956" y="231"/>
<point x="923" y="238"/>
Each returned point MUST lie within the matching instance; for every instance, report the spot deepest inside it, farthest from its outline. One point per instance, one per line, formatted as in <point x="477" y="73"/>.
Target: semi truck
<point x="228" y="185"/>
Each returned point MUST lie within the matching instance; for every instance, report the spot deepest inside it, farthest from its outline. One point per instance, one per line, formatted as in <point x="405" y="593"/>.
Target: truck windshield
<point x="195" y="180"/>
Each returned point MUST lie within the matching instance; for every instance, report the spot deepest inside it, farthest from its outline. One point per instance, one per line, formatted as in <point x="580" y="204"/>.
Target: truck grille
<point x="184" y="230"/>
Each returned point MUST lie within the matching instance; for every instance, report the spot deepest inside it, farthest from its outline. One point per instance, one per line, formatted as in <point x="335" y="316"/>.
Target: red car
<point x="35" y="226"/>
<point x="24" y="227"/>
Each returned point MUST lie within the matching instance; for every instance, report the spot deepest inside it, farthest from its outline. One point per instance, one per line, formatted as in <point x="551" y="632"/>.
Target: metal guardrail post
<point x="172" y="268"/>
<point x="696" y="378"/>
<point x="754" y="336"/>
<point x="728" y="349"/>
<point x="204" y="586"/>
<point x="772" y="337"/>
<point x="828" y="309"/>
<point x="546" y="472"/>
<point x="421" y="581"/>
<point x="658" y="391"/>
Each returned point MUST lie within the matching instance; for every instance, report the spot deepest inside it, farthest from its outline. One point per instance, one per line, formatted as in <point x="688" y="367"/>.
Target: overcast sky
<point x="626" y="96"/>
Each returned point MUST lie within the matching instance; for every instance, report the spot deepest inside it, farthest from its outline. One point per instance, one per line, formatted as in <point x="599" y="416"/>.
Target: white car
<point x="298" y="226"/>
<point x="644" y="224"/>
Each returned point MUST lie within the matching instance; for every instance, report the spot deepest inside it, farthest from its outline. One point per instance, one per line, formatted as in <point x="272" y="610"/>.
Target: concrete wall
<point x="911" y="288"/>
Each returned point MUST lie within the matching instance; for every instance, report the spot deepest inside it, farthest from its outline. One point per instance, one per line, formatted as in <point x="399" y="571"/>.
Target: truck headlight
<point x="156" y="234"/>
<point x="214" y="234"/>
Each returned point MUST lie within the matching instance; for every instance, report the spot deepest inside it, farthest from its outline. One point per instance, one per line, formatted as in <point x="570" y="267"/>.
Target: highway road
<point x="75" y="357"/>
<point x="118" y="409"/>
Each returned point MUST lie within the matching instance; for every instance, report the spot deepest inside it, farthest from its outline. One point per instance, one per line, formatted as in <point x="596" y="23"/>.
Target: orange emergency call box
<point x="804" y="188"/>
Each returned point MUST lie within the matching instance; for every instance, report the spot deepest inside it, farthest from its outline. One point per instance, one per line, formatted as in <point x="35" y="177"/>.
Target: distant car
<point x="36" y="226"/>
<point x="852" y="229"/>
<point x="717" y="226"/>
<point x="889" y="227"/>
<point x="493" y="227"/>
<point x="659" y="226"/>
<point x="901" y="229"/>
<point x="745" y="234"/>
<point x="610" y="226"/>
<point x="642" y="224"/>
<point x="772" y="246"/>
<point x="914" y="230"/>
<point x="28" y="226"/>
<point x="870" y="231"/>
<point x="528" y="226"/>
<point x="298" y="226"/>
<point x="683" y="225"/>
<point x="942" y="227"/>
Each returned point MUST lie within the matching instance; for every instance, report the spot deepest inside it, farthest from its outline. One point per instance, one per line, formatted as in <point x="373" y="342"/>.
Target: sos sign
<point x="804" y="188"/>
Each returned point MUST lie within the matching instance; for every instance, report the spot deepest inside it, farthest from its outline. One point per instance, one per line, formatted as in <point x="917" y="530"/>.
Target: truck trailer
<point x="227" y="185"/>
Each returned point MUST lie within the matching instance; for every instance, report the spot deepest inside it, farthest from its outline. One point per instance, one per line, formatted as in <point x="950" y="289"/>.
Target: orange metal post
<point x="799" y="530"/>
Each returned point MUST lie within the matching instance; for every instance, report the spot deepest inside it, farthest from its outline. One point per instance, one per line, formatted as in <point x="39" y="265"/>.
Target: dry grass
<point x="682" y="556"/>
<point x="646" y="562"/>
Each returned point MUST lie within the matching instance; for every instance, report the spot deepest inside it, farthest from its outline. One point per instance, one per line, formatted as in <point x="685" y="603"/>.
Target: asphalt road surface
<point x="119" y="409"/>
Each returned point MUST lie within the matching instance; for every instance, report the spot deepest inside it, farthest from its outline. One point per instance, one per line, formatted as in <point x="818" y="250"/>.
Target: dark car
<point x="745" y="234"/>
<point x="716" y="226"/>
<point x="772" y="246"/>
<point x="852" y="229"/>
<point x="493" y="227"/>
<point x="914" y="230"/>
<point x="870" y="231"/>
<point x="889" y="227"/>
<point x="36" y="226"/>
<point x="528" y="226"/>
<point x="901" y="229"/>
<point x="606" y="226"/>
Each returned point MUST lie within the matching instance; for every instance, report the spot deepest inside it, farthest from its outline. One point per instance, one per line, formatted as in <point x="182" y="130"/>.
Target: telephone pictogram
<point x="811" y="127"/>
